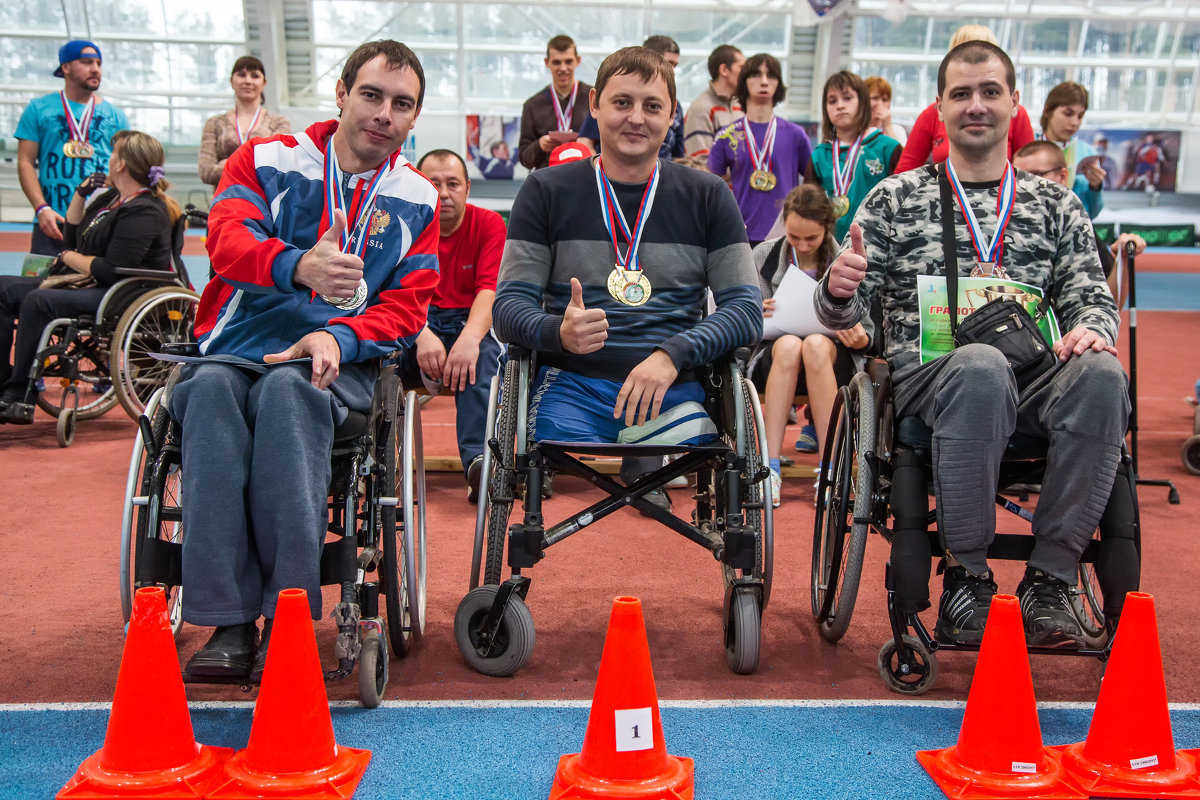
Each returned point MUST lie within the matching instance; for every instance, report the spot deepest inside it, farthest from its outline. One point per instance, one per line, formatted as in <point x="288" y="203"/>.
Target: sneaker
<point x="776" y="488"/>
<point x="16" y="413"/>
<point x="1046" y="608"/>
<point x="474" y="478"/>
<point x="658" y="497"/>
<point x="676" y="483"/>
<point x="963" y="609"/>
<point x="807" y="443"/>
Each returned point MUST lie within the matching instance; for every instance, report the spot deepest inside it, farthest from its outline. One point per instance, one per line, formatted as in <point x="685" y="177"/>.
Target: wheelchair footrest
<point x="161" y="562"/>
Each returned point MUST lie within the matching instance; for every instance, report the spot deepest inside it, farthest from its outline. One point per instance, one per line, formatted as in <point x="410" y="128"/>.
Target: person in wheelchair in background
<point x="1006" y="226"/>
<point x="120" y="220"/>
<point x="336" y="276"/>
<point x="619" y="347"/>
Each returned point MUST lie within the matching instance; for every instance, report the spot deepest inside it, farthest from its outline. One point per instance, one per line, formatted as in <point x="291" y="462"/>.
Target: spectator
<point x="62" y="138"/>
<point x="123" y="220"/>
<point x="764" y="154"/>
<point x="555" y="114"/>
<point x="247" y="119"/>
<point x="881" y="108"/>
<point x="927" y="143"/>
<point x="854" y="156"/>
<point x="457" y="348"/>
<point x="1062" y="116"/>
<point x="718" y="105"/>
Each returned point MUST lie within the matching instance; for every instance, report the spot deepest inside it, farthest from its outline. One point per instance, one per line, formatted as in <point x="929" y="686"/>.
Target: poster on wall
<point x="492" y="147"/>
<point x="1136" y="160"/>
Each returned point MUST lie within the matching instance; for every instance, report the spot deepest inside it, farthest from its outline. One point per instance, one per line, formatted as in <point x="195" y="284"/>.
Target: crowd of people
<point x="725" y="204"/>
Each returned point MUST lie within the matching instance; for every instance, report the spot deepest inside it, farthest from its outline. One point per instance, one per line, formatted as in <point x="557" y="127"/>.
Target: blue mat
<point x="778" y="751"/>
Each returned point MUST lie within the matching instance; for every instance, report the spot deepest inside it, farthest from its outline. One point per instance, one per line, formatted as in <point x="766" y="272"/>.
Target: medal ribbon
<point x="77" y="129"/>
<point x="988" y="251"/>
<point x="564" y="115"/>
<point x="843" y="175"/>
<point x="249" y="129"/>
<point x="354" y="237"/>
<point x="614" y="217"/>
<point x="761" y="159"/>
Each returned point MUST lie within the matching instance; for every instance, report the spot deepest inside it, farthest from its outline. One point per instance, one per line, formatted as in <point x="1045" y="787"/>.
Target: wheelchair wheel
<point x="412" y="495"/>
<point x="514" y="640"/>
<point x="743" y="631"/>
<point x="95" y="398"/>
<point x="1088" y="603"/>
<point x="912" y="678"/>
<point x="65" y="428"/>
<point x="372" y="669"/>
<point x="1191" y="455"/>
<point x="843" y="506"/>
<point x="163" y="316"/>
<point x="502" y="481"/>
<point x="394" y="572"/>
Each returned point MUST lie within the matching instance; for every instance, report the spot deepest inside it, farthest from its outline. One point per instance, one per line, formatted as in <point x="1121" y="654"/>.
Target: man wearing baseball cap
<point x="62" y="138"/>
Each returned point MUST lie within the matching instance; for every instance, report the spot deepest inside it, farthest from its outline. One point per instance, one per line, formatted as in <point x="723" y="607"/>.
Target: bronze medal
<point x="763" y="180"/>
<point x="85" y="149"/>
<point x="628" y="287"/>
<point x="841" y="205"/>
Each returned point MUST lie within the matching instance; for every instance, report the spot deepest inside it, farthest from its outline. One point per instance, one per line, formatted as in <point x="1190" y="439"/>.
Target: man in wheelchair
<point x="619" y="346"/>
<point x="1023" y="236"/>
<point x="315" y="280"/>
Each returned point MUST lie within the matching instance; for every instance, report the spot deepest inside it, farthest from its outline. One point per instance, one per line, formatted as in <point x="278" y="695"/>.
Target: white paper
<point x="794" y="312"/>
<point x="635" y="729"/>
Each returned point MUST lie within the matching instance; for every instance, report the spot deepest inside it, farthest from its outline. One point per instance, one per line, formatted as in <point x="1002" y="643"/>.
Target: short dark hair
<point x="248" y="63"/>
<point x="442" y="154"/>
<point x="977" y="51"/>
<point x="1042" y="146"/>
<point x="641" y="61"/>
<point x="723" y="55"/>
<point x="398" y="57"/>
<point x="846" y="80"/>
<point x="661" y="44"/>
<point x="1067" y="93"/>
<point x="753" y="64"/>
<point x="562" y="43"/>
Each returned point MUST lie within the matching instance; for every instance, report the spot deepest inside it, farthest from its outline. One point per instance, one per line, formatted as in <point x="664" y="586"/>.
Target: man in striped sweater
<point x="619" y="346"/>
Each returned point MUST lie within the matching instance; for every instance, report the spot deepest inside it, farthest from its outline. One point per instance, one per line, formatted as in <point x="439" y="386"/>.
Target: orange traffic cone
<point x="1130" y="750"/>
<point x="623" y="752"/>
<point x="999" y="751"/>
<point x="292" y="752"/>
<point x="149" y="749"/>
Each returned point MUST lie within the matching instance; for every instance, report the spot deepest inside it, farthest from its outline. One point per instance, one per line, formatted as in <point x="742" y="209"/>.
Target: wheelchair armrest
<point x="180" y="348"/>
<point x="517" y="352"/>
<point x="166" y="276"/>
<point x="879" y="371"/>
<point x="741" y="357"/>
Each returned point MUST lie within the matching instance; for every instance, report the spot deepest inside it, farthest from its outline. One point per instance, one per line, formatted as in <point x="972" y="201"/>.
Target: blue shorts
<point x="569" y="407"/>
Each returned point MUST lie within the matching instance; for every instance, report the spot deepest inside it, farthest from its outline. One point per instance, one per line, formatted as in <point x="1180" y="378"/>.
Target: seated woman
<point x="127" y="224"/>
<point x="791" y="364"/>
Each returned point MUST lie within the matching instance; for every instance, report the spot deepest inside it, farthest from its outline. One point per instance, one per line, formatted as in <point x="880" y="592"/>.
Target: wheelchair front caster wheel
<point x="513" y="646"/>
<point x="743" y="632"/>
<point x="372" y="669"/>
<point x="65" y="430"/>
<point x="1191" y="455"/>
<point x="914" y="677"/>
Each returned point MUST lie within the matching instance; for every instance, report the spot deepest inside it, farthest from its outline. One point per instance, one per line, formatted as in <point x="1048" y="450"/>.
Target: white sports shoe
<point x="776" y="488"/>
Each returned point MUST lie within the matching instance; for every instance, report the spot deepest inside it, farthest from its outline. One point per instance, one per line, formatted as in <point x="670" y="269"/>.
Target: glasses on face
<point x="1045" y="173"/>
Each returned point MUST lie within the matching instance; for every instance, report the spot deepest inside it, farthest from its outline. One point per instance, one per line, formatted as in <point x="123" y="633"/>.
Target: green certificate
<point x="973" y="293"/>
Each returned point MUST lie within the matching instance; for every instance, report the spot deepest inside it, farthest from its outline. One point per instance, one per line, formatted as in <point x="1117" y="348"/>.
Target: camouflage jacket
<point x="1049" y="244"/>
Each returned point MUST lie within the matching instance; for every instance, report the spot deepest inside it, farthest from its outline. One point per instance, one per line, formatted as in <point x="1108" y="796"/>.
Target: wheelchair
<point x="493" y="626"/>
<point x="878" y="471"/>
<point x="104" y="359"/>
<point x="376" y="517"/>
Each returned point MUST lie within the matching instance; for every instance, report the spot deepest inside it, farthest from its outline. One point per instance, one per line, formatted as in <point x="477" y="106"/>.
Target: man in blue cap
<point x="62" y="138"/>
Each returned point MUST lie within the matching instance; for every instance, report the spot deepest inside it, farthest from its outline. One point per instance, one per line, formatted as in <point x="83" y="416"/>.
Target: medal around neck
<point x="762" y="179"/>
<point x="77" y="145"/>
<point x="629" y="287"/>
<point x="843" y="174"/>
<point x="627" y="283"/>
<point x="349" y="303"/>
<point x="357" y="232"/>
<point x="841" y="205"/>
<point x="989" y="252"/>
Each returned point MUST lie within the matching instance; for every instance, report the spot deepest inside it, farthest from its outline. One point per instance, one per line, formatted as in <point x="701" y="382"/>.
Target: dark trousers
<point x="20" y="299"/>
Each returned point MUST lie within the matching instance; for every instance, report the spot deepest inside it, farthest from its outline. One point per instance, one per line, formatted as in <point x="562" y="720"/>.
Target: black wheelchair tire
<point x="502" y="482"/>
<point x="64" y="429"/>
<point x="161" y="485"/>
<point x="743" y="631"/>
<point x="516" y="636"/>
<point x="372" y="669"/>
<point x="915" y="682"/>
<point x="95" y="407"/>
<point x="392" y="576"/>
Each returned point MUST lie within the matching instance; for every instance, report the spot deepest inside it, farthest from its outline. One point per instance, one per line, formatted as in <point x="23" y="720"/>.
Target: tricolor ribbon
<point x="843" y="175"/>
<point x="614" y="217"/>
<point x="564" y="115"/>
<point x="78" y="129"/>
<point x="358" y="217"/>
<point x="249" y="129"/>
<point x="989" y="252"/>
<point x="761" y="159"/>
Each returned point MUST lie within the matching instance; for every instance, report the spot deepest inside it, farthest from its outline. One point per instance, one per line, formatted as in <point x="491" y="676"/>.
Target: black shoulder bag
<point x="1002" y="323"/>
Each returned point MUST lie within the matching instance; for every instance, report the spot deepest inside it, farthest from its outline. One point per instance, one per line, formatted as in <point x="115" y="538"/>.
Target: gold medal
<point x="841" y="205"/>
<point x="628" y="287"/>
<point x="69" y="149"/>
<point x="763" y="180"/>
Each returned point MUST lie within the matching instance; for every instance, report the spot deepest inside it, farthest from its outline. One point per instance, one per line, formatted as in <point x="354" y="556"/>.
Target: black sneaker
<point x="16" y="413"/>
<point x="474" y="477"/>
<point x="658" y="497"/>
<point x="229" y="652"/>
<point x="963" y="609"/>
<point x="1050" y="620"/>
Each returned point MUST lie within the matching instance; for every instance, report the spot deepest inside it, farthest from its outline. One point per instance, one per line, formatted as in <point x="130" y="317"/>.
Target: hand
<point x="326" y="356"/>
<point x="854" y="338"/>
<point x="645" y="387"/>
<point x="848" y="269"/>
<point x="583" y="330"/>
<point x="1080" y="340"/>
<point x="325" y="268"/>
<point x="769" y="307"/>
<point x="92" y="183"/>
<point x="50" y="221"/>
<point x="546" y="143"/>
<point x="1095" y="174"/>
<point x="460" y="364"/>
<point x="1118" y="247"/>
<point x="431" y="354"/>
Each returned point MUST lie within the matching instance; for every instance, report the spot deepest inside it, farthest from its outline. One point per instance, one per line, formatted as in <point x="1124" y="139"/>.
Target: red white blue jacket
<point x="266" y="215"/>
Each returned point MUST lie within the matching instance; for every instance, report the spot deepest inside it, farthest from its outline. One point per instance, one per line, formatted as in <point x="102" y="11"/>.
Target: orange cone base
<point x="192" y="780"/>
<point x="677" y="781"/>
<point x="959" y="781"/>
<point x="1108" y="780"/>
<point x="339" y="779"/>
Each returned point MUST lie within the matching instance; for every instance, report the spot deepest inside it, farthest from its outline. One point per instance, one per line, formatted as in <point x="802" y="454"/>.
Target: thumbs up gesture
<point x="849" y="268"/>
<point x="583" y="330"/>
<point x="325" y="268"/>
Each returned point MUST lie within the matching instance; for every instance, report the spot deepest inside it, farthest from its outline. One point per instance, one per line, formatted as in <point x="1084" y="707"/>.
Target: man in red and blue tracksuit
<point x="324" y="246"/>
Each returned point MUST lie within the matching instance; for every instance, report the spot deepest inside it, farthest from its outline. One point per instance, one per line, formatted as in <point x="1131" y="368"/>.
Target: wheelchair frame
<point x="855" y="497"/>
<point x="493" y="625"/>
<point x="377" y="510"/>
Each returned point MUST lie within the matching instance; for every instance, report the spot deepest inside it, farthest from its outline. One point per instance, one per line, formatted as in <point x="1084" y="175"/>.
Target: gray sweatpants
<point x="255" y="483"/>
<point x="969" y="399"/>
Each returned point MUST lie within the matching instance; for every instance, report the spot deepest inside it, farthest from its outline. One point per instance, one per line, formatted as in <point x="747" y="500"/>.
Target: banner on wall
<point x="1135" y="160"/>
<point x="492" y="152"/>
